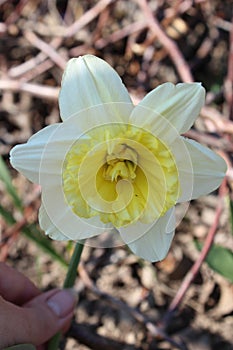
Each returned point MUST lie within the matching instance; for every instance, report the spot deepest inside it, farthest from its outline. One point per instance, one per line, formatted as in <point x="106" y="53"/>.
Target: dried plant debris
<point x="122" y="299"/>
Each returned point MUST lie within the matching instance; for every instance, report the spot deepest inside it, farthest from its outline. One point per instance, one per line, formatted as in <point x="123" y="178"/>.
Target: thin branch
<point x="217" y="118"/>
<point x="30" y="64"/>
<point x="191" y="275"/>
<point x="137" y="315"/>
<point x="87" y="17"/>
<point x="72" y="30"/>
<point x="207" y="139"/>
<point x="222" y="23"/>
<point x="48" y="92"/>
<point x="171" y="47"/>
<point x="46" y="48"/>
<point x="120" y="34"/>
<point x="16" y="13"/>
<point x="86" y="335"/>
<point x="38" y="70"/>
<point x="229" y="78"/>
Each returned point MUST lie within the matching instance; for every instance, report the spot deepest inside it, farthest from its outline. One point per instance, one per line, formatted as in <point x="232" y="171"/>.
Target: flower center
<point x="121" y="173"/>
<point x="120" y="164"/>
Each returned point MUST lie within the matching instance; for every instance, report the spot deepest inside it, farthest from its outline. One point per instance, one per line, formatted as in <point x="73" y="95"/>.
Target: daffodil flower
<point x="112" y="166"/>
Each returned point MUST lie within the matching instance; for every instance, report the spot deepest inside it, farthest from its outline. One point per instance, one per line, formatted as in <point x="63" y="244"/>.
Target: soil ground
<point x="127" y="293"/>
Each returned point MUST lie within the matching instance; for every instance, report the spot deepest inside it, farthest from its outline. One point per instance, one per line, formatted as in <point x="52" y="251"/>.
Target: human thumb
<point x="38" y="320"/>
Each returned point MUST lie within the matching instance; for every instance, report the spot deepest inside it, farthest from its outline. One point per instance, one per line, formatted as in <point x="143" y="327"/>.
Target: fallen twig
<point x="87" y="17"/>
<point x="171" y="47"/>
<point x="191" y="275"/>
<point x="47" y="92"/>
<point x="229" y="78"/>
<point x="33" y="62"/>
<point x="222" y="124"/>
<point x="46" y="48"/>
<point x="14" y="15"/>
<point x="73" y="29"/>
<point x="207" y="139"/>
<point x="120" y="34"/>
<point x="138" y="316"/>
<point x="85" y="335"/>
<point x="38" y="70"/>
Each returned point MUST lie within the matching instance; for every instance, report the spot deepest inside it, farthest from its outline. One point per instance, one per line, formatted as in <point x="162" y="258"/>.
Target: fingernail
<point x="63" y="302"/>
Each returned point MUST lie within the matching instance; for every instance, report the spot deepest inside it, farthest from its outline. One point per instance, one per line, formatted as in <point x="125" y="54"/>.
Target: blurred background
<point x="148" y="43"/>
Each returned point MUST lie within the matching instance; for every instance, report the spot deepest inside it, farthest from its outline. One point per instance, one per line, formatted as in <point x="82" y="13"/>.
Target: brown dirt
<point x="201" y="31"/>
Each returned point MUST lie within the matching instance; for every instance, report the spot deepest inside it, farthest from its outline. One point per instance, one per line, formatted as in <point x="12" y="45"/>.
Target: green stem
<point x="68" y="283"/>
<point x="73" y="265"/>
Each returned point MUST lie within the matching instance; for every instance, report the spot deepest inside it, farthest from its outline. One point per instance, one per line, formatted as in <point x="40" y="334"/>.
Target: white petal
<point x="151" y="242"/>
<point x="26" y="158"/>
<point x="42" y="157"/>
<point x="205" y="172"/>
<point x="108" y="239"/>
<point x="89" y="81"/>
<point x="50" y="229"/>
<point x="73" y="130"/>
<point x="112" y="239"/>
<point x="169" y="109"/>
<point x="64" y="219"/>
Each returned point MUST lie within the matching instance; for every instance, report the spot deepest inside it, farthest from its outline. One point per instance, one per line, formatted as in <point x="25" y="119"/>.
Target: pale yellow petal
<point x="151" y="242"/>
<point x="206" y="172"/>
<point x="89" y="81"/>
<point x="26" y="158"/>
<point x="48" y="226"/>
<point x="65" y="220"/>
<point x="169" y="109"/>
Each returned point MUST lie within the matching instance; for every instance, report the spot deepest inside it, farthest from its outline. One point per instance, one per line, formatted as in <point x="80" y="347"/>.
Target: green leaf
<point x="5" y="177"/>
<point x="21" y="347"/>
<point x="34" y="234"/>
<point x="30" y="231"/>
<point x="7" y="215"/>
<point x="220" y="259"/>
<point x="43" y="242"/>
